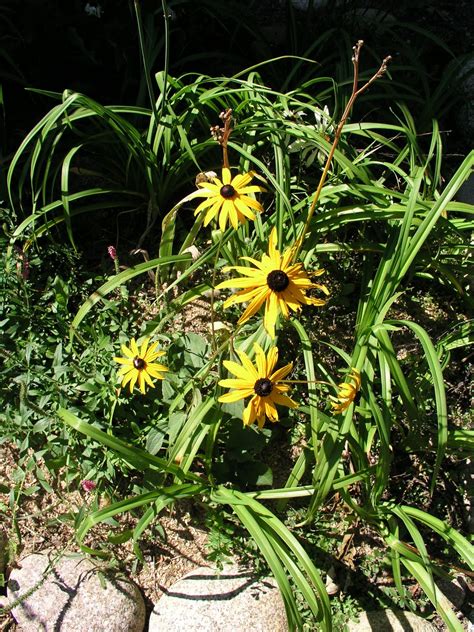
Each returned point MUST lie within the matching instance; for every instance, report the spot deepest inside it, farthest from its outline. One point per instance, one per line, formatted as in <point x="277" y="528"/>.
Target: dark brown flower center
<point x="139" y="363"/>
<point x="227" y="191"/>
<point x="263" y="387"/>
<point x="277" y="280"/>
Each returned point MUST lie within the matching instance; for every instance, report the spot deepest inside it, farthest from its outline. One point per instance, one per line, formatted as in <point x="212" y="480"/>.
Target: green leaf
<point x="138" y="458"/>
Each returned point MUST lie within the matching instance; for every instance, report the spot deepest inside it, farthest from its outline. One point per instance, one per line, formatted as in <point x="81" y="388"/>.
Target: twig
<point x="355" y="93"/>
<point x="222" y="134"/>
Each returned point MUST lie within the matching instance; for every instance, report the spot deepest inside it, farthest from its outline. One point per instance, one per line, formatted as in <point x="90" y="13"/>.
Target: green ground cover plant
<point x="291" y="209"/>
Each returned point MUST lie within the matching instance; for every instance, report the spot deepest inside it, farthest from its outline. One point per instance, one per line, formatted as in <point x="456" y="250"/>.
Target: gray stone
<point x="390" y="621"/>
<point x="455" y="590"/>
<point x="73" y="597"/>
<point x="206" y="601"/>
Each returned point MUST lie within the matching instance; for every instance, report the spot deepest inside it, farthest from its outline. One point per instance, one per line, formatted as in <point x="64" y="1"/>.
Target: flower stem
<point x="141" y="40"/>
<point x="213" y="282"/>
<point x="222" y="134"/>
<point x="355" y="93"/>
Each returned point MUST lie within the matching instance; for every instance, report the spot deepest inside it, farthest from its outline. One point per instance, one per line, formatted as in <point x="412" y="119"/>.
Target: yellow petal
<point x="217" y="183"/>
<point x="250" y="413"/>
<point x="273" y="253"/>
<point x="238" y="370"/>
<point x="283" y="400"/>
<point x="234" y="396"/>
<point x="252" y="189"/>
<point x="148" y="379"/>
<point x="127" y="352"/>
<point x="271" y="314"/>
<point x="236" y="283"/>
<point x="208" y="202"/>
<point x="151" y="357"/>
<point x="261" y="360"/>
<point x="283" y="306"/>
<point x="261" y="420"/>
<point x="126" y="379"/>
<point x="126" y="374"/>
<point x="270" y="410"/>
<point x="244" y="209"/>
<point x="212" y="212"/>
<point x="133" y="381"/>
<point x="242" y="179"/>
<point x="279" y="374"/>
<point x="243" y="296"/>
<point x="144" y="348"/>
<point x="229" y="206"/>
<point x="248" y="201"/>
<point x="128" y="361"/>
<point x="226" y="176"/>
<point x="258" y="275"/>
<point x="236" y="383"/>
<point x="252" y="374"/>
<point x="209" y="187"/>
<point x="258" y="264"/>
<point x="134" y="347"/>
<point x="254" y="306"/>
<point x="223" y="217"/>
<point x="150" y="351"/>
<point x="272" y="241"/>
<point x="272" y="359"/>
<point x="286" y="258"/>
<point x="155" y="370"/>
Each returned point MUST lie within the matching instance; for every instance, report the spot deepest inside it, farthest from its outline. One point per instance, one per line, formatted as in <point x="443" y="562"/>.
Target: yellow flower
<point x="261" y="383"/>
<point x="346" y="392"/>
<point x="275" y="281"/>
<point x="138" y="365"/>
<point x="227" y="199"/>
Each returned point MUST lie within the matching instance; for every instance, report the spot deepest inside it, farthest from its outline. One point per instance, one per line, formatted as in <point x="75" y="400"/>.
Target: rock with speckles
<point x="390" y="621"/>
<point x="206" y="601"/>
<point x="74" y="597"/>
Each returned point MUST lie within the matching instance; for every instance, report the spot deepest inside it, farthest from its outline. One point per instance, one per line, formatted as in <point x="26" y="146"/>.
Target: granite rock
<point x="206" y="601"/>
<point x="390" y="621"/>
<point x="74" y="597"/>
<point x="455" y="591"/>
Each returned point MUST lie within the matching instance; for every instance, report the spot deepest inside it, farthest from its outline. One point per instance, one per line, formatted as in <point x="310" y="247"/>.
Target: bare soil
<point x="44" y="521"/>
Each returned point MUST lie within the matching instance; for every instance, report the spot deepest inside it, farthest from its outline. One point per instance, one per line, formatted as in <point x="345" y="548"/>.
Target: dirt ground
<point x="44" y="522"/>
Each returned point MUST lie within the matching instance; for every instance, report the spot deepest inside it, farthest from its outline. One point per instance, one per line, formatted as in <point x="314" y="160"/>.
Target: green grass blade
<point x="439" y="390"/>
<point x="434" y="595"/>
<point x="118" y="280"/>
<point x="138" y="458"/>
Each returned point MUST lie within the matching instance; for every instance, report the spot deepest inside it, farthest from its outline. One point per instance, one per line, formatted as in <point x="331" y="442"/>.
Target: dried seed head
<point x="263" y="387"/>
<point x="139" y="363"/>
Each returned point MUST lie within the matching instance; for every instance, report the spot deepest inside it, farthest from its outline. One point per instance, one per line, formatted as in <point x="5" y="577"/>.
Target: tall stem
<point x="167" y="57"/>
<point x="222" y="134"/>
<point x="355" y="93"/>
<point x="213" y="283"/>
<point x="146" y="68"/>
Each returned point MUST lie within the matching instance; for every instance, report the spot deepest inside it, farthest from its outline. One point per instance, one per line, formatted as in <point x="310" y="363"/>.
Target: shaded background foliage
<point x="52" y="45"/>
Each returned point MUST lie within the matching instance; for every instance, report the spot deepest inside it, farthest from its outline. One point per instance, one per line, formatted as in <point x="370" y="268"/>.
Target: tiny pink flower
<point x="25" y="273"/>
<point x="112" y="252"/>
<point x="88" y="486"/>
<point x="22" y="264"/>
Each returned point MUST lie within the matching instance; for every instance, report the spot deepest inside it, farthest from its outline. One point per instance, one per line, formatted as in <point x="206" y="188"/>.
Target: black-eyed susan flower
<point x="274" y="282"/>
<point x="228" y="199"/>
<point x="346" y="392"/>
<point x="261" y="383"/>
<point x="139" y="366"/>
